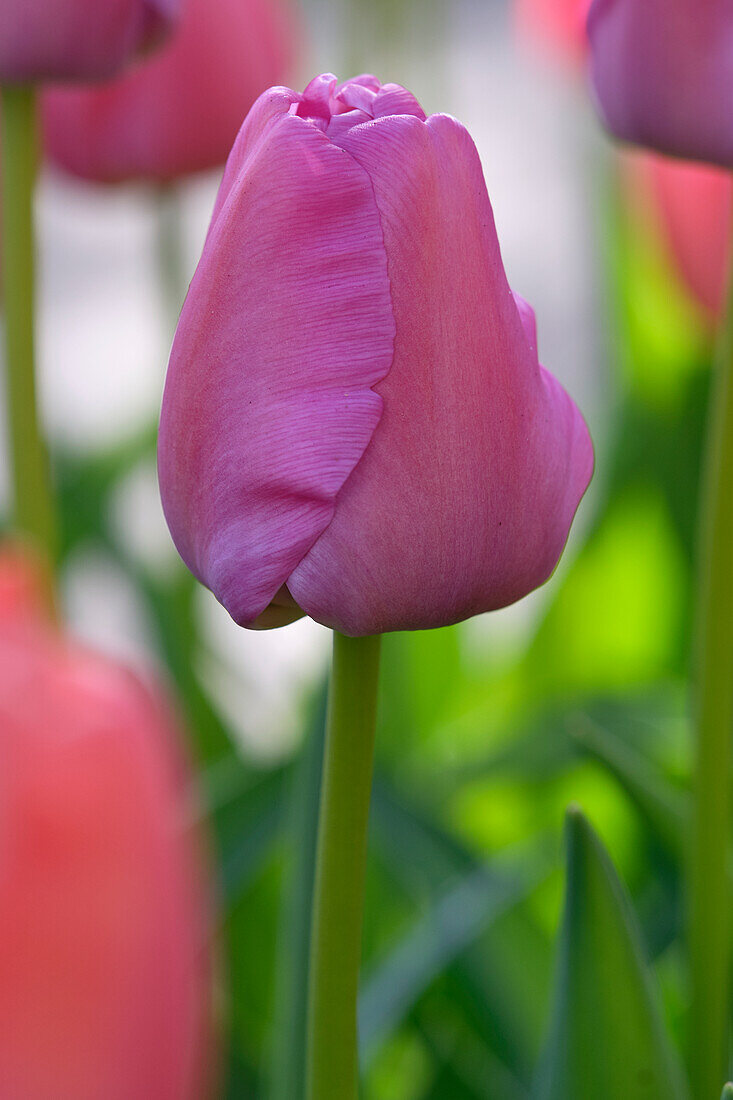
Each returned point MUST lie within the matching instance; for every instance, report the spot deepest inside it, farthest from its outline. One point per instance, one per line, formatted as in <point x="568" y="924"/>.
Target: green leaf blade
<point x="607" y="1038"/>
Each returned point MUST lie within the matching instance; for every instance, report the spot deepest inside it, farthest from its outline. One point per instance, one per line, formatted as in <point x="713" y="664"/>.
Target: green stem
<point x="709" y="885"/>
<point x="32" y="496"/>
<point x="332" y="1067"/>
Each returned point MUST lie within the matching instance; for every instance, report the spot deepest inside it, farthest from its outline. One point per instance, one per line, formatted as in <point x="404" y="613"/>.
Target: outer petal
<point x="268" y="403"/>
<point x="103" y="965"/>
<point x="663" y="74"/>
<point x="76" y="39"/>
<point x="464" y="498"/>
<point x="180" y="110"/>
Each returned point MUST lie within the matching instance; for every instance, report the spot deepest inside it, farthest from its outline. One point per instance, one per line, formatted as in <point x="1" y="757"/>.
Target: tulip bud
<point x="558" y="25"/>
<point x="663" y="74"/>
<point x="693" y="204"/>
<point x="77" y="39"/>
<point x="179" y="111"/>
<point x="354" y="408"/>
<point x="103" y="910"/>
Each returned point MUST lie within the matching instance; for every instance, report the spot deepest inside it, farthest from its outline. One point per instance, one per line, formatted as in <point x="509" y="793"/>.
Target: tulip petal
<point x="663" y="74"/>
<point x="463" y="501"/>
<point x="269" y="405"/>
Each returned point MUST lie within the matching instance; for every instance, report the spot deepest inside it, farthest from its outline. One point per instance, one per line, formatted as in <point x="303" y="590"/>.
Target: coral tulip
<point x="693" y="204"/>
<point x="355" y="422"/>
<point x="103" y="912"/>
<point x="558" y="24"/>
<point x="663" y="74"/>
<point x="77" y="39"/>
<point x="179" y="111"/>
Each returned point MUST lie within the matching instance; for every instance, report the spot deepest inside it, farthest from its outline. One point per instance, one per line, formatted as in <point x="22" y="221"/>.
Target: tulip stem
<point x="332" y="1064"/>
<point x="709" y="901"/>
<point x="33" y="501"/>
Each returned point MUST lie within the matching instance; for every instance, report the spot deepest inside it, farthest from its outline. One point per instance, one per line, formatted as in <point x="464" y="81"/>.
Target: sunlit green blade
<point x="607" y="1038"/>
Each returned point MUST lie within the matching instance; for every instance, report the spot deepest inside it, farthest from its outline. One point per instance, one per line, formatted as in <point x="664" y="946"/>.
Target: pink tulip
<point x="103" y="968"/>
<point x="557" y="24"/>
<point x="180" y="111"/>
<point x="663" y="74"/>
<point x="692" y="203"/>
<point x="77" y="39"/>
<point x="354" y="416"/>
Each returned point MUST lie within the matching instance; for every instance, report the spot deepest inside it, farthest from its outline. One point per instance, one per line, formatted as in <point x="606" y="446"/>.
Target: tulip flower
<point x="663" y="74"/>
<point x="103" y="911"/>
<point x="558" y="24"/>
<point x="692" y="203"/>
<point x="179" y="111"/>
<point x="355" y="423"/>
<point x="77" y="39"/>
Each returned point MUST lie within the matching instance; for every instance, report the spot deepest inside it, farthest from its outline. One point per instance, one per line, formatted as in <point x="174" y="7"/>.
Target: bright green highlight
<point x="332" y="1070"/>
<point x="709" y="891"/>
<point x="32" y="497"/>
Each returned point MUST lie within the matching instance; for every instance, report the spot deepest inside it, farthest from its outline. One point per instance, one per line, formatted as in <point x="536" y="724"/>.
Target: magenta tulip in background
<point x="179" y="111"/>
<point x="663" y="74"/>
<point x="104" y="966"/>
<point x="77" y="39"/>
<point x="354" y="408"/>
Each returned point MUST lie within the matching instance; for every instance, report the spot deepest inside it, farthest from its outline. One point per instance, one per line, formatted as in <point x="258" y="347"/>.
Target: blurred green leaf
<point x="287" y="1074"/>
<point x="450" y="925"/>
<point x="607" y="1038"/>
<point x="727" y="1092"/>
<point x="247" y="829"/>
<point x="663" y="807"/>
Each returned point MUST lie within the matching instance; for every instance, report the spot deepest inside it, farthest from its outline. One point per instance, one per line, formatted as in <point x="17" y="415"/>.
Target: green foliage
<point x="607" y="1038"/>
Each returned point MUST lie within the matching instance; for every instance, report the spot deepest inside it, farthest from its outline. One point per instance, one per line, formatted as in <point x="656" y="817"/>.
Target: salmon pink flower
<point x="663" y="74"/>
<point x="103" y="907"/>
<point x="557" y="24"/>
<point x="355" y="420"/>
<point x="77" y="39"/>
<point x="692" y="205"/>
<point x="180" y="110"/>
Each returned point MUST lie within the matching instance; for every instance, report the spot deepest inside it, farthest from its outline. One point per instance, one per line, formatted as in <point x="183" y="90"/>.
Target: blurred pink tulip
<point x="354" y="416"/>
<point x="103" y="910"/>
<point x="77" y="39"/>
<point x="556" y="24"/>
<point x="693" y="208"/>
<point x="180" y="111"/>
<point x="663" y="74"/>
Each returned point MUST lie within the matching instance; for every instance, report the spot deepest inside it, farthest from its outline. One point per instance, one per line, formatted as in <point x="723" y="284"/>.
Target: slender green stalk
<point x="710" y="928"/>
<point x="332" y="1066"/>
<point x="32" y="497"/>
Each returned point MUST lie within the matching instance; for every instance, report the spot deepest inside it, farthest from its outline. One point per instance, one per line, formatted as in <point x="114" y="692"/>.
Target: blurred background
<point x="489" y="729"/>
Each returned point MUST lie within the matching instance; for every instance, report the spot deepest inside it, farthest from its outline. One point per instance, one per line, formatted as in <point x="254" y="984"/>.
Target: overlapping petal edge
<point x="248" y="497"/>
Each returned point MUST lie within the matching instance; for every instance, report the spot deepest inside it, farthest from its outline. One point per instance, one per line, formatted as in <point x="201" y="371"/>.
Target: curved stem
<point x="709" y="883"/>
<point x="32" y="496"/>
<point x="332" y="1069"/>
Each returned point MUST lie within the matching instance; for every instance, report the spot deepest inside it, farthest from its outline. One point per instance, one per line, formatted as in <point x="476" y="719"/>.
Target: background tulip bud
<point x="691" y="204"/>
<point x="103" y="910"/>
<point x="663" y="74"/>
<point x="77" y="39"/>
<point x="354" y="406"/>
<point x="179" y="111"/>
